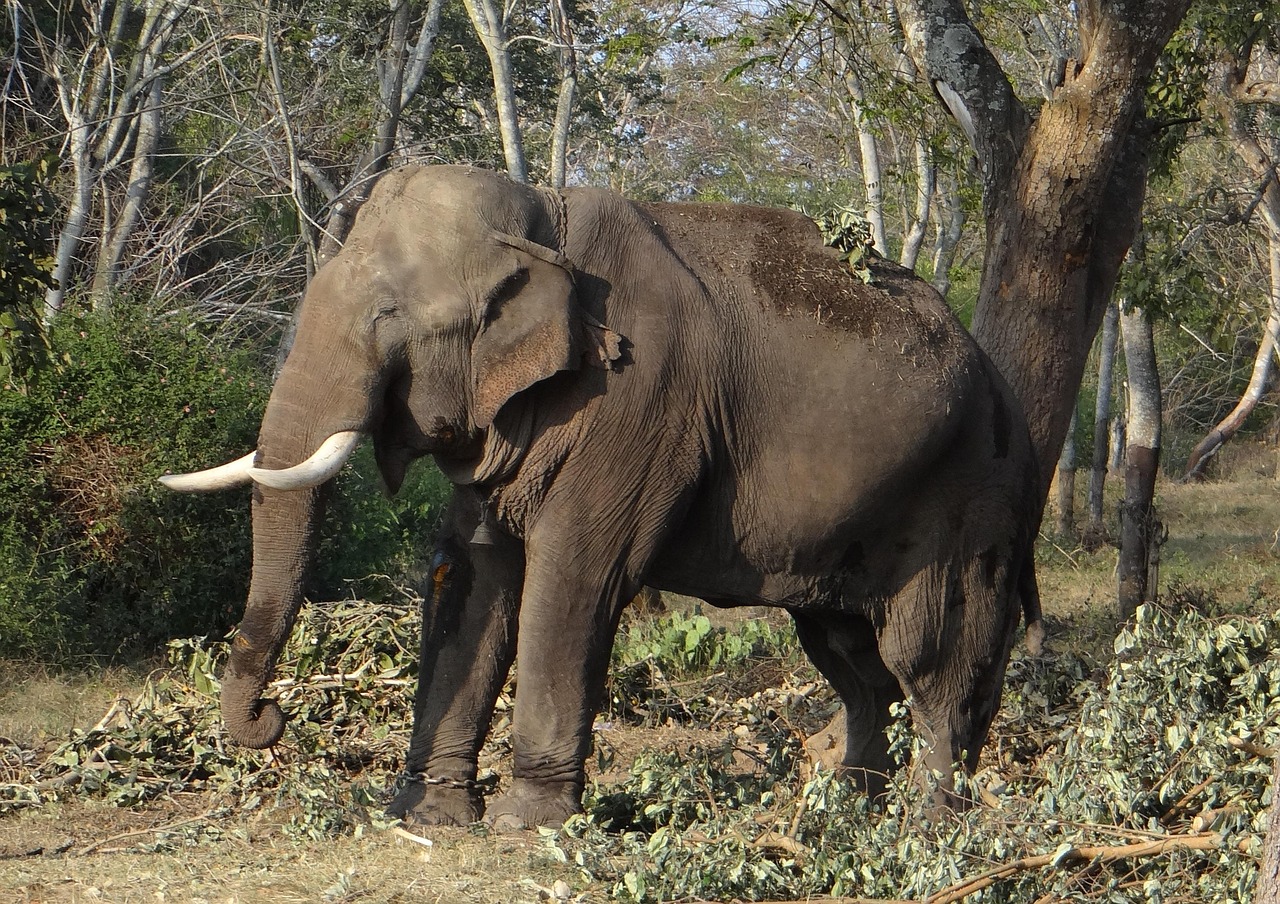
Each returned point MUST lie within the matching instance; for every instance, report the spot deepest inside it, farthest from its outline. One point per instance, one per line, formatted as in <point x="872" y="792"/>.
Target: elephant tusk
<point x="327" y="461"/>
<point x="232" y="474"/>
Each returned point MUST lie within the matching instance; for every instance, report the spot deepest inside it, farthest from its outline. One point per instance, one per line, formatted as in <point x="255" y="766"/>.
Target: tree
<point x="108" y="62"/>
<point x="491" y="22"/>
<point x="1237" y="96"/>
<point x="1062" y="186"/>
<point x="1139" y="528"/>
<point x="1095" y="531"/>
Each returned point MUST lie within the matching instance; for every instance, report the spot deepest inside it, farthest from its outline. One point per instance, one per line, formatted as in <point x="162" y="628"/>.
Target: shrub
<point x="95" y="556"/>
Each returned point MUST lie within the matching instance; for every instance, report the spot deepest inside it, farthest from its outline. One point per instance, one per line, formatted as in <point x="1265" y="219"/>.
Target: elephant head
<point x="450" y="298"/>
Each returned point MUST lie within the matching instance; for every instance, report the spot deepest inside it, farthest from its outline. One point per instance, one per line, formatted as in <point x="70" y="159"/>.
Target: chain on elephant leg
<point x="428" y="800"/>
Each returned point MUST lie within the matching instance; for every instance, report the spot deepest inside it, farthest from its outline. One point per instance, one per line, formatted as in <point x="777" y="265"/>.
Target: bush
<point x="95" y="556"/>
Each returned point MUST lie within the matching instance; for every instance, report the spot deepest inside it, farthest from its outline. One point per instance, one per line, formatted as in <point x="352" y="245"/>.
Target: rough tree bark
<point x="1095" y="531"/>
<point x="1268" y="888"/>
<point x="1062" y="189"/>
<point x="1140" y="530"/>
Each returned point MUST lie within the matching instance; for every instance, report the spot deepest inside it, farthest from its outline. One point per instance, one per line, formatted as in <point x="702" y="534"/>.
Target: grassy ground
<point x="192" y="847"/>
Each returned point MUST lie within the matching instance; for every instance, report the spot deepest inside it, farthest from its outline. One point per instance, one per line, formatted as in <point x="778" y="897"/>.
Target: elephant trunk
<point x="284" y="529"/>
<point x="307" y="408"/>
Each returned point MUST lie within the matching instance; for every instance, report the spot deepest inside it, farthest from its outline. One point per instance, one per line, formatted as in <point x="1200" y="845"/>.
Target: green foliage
<point x="849" y="232"/>
<point x="1079" y="759"/>
<point x="94" y="555"/>
<point x="97" y="557"/>
<point x="684" y="645"/>
<point x="26" y="266"/>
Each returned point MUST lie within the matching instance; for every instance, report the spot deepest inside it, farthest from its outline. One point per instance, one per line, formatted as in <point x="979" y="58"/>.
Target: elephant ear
<point x="531" y="328"/>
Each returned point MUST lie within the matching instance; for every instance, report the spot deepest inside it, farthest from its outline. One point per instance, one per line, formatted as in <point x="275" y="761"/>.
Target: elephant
<point x="696" y="397"/>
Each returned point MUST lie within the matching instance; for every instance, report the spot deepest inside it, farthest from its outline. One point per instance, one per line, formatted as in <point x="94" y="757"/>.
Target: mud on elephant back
<point x="696" y="397"/>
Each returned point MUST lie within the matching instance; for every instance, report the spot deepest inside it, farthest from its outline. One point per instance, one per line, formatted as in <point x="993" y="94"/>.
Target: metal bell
<point x="484" y="535"/>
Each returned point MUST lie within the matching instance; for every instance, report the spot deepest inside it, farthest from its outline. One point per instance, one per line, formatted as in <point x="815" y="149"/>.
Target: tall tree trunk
<point x="1140" y="531"/>
<point x="1095" y="531"/>
<point x="869" y="156"/>
<point x="1067" y="483"/>
<point x="562" y="28"/>
<point x="141" y="173"/>
<point x="1255" y="157"/>
<point x="924" y="196"/>
<point x="1062" y="191"/>
<point x="950" y="227"/>
<point x="491" y="26"/>
<point x="1115" y="456"/>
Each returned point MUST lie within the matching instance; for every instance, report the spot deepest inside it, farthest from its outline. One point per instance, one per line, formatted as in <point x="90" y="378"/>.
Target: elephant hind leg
<point x="843" y="648"/>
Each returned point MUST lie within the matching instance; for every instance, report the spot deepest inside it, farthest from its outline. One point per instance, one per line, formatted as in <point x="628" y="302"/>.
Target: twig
<point x="1087" y="854"/>
<point x="1252" y="748"/>
<point x="1173" y="812"/>
<point x="90" y="848"/>
<point x="409" y="836"/>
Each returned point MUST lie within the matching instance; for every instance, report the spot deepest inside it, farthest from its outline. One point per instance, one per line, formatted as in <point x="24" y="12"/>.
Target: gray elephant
<point x="696" y="397"/>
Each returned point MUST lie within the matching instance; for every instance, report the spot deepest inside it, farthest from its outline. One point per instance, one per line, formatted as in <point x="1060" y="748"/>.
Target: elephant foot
<point x="436" y="805"/>
<point x="529" y="804"/>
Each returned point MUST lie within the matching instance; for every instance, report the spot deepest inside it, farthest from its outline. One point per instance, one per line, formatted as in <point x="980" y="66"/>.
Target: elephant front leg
<point x="567" y="625"/>
<point x="468" y="644"/>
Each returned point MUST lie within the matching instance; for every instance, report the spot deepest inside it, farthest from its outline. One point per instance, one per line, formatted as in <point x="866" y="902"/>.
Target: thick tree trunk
<point x="1067" y="483"/>
<point x="1062" y="192"/>
<point x="1140" y="530"/>
<point x="1095" y="531"/>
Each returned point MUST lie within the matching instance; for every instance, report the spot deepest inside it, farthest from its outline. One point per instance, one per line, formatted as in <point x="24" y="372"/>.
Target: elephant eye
<point x="385" y="308"/>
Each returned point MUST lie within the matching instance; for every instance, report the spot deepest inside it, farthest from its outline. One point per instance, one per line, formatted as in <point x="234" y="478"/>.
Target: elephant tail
<point x="1029" y="592"/>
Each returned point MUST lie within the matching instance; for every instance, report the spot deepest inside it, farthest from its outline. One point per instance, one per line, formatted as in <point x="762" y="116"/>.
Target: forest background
<point x="173" y="173"/>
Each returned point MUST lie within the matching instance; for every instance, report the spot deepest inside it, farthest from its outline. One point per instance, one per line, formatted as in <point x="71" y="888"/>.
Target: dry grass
<point x="253" y="861"/>
<point x="1222" y="538"/>
<point x="38" y="705"/>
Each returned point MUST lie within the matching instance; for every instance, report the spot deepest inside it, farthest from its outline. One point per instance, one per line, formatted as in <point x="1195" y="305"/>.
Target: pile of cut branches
<point x="1143" y="780"/>
<point x="346" y="678"/>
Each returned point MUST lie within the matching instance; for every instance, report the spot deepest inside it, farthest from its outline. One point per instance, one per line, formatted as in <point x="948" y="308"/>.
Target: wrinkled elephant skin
<point x="700" y="398"/>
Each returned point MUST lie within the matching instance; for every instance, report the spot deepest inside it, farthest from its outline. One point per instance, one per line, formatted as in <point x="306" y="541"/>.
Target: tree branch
<point x="973" y="87"/>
